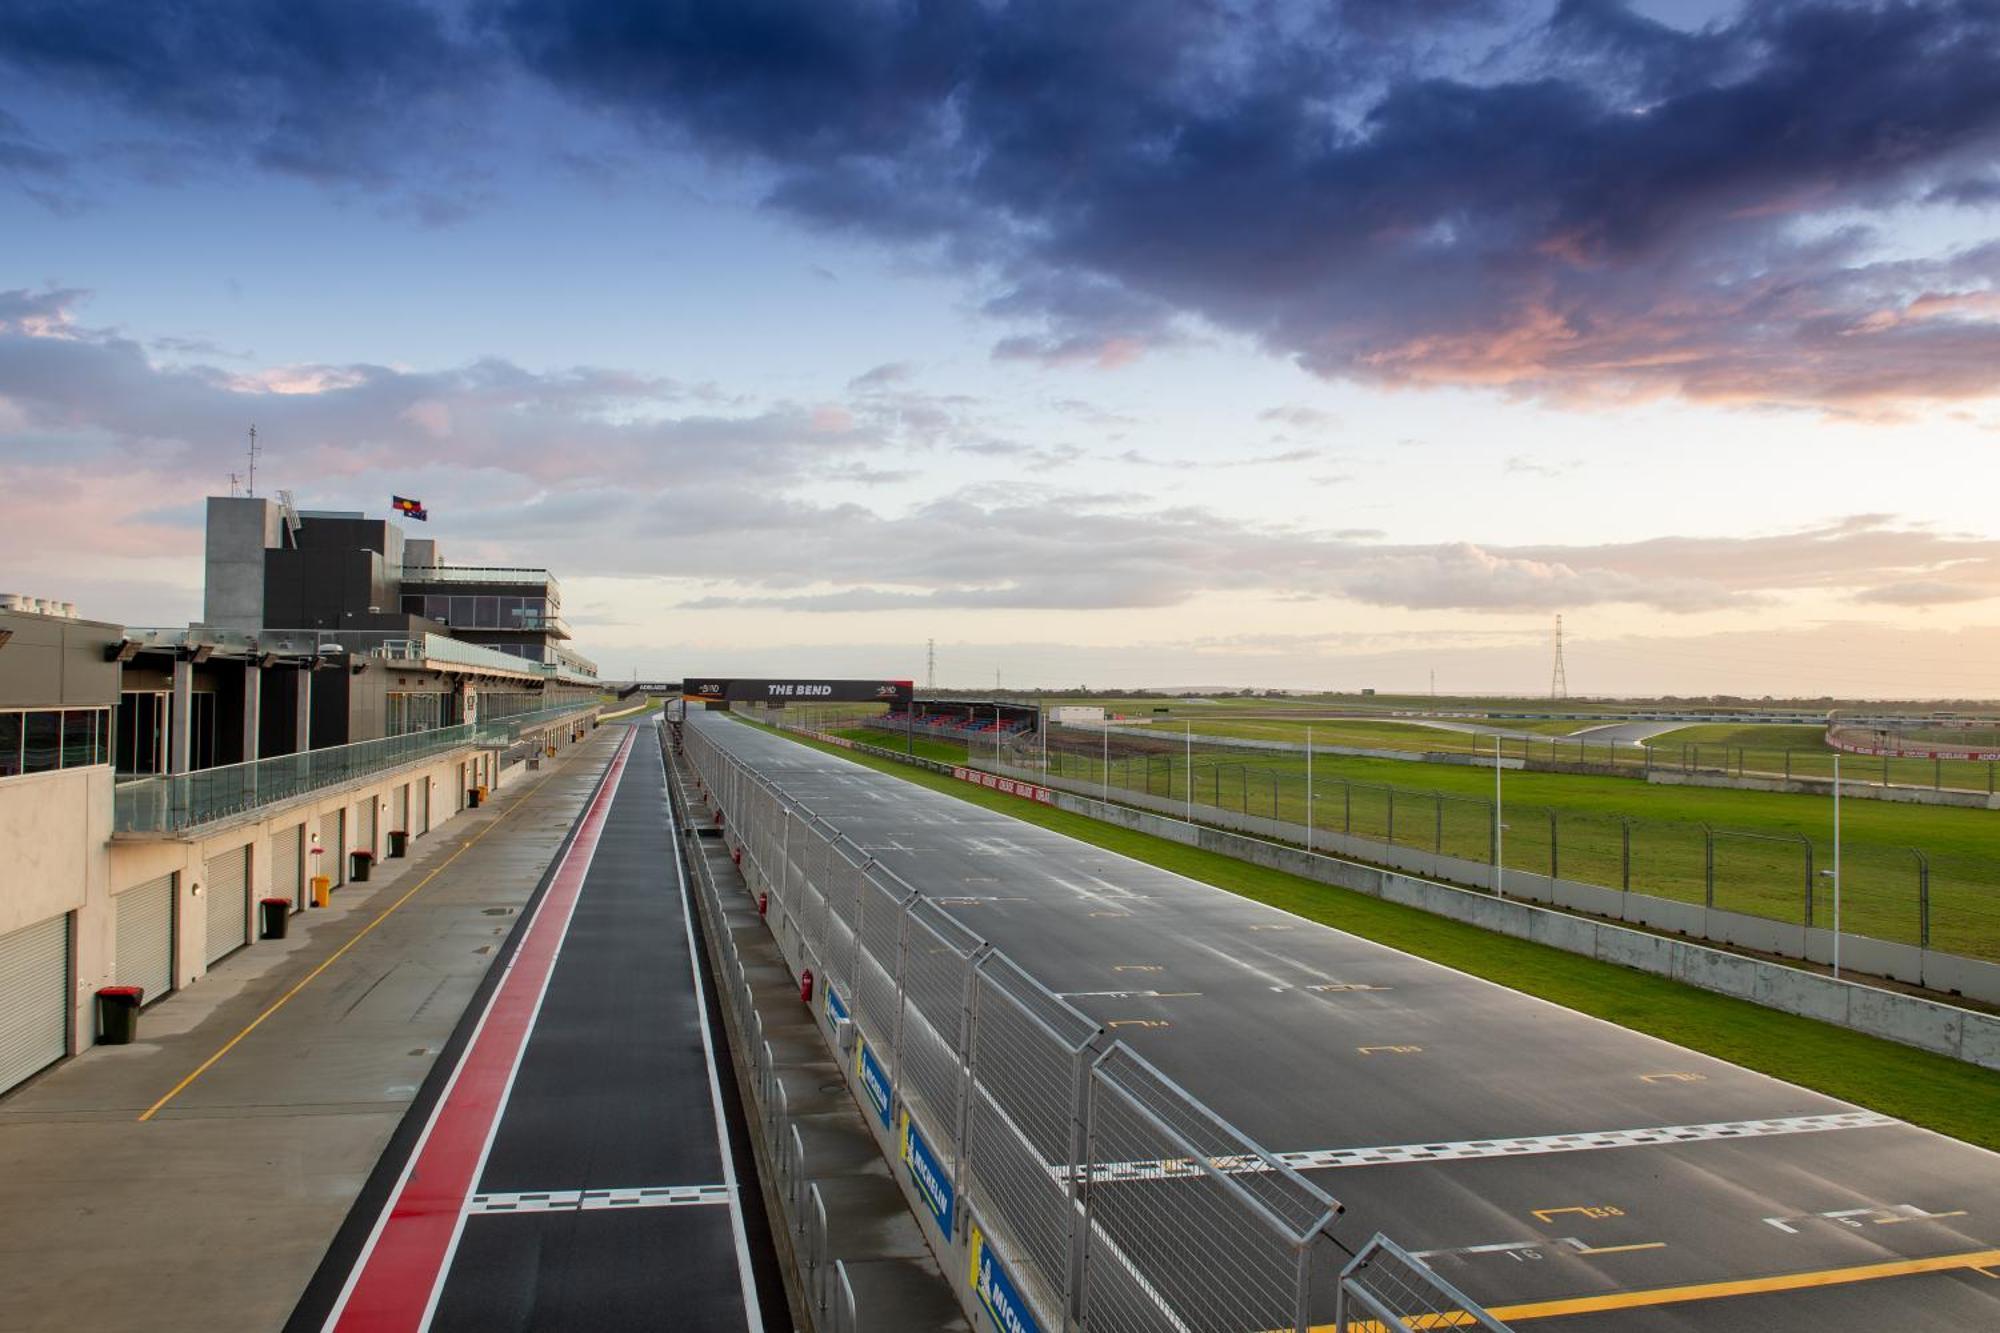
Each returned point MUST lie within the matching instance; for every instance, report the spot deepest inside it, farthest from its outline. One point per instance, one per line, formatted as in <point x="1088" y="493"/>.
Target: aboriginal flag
<point x="411" y="508"/>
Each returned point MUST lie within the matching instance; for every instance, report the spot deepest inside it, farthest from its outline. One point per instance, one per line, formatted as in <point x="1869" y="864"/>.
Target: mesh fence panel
<point x="877" y="966"/>
<point x="937" y="972"/>
<point x="1024" y="1130"/>
<point x="1189" y="1225"/>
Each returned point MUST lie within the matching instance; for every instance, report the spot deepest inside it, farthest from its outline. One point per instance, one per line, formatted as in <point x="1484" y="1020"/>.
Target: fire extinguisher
<point x="763" y="904"/>
<point x="806" y="987"/>
<point x="737" y="856"/>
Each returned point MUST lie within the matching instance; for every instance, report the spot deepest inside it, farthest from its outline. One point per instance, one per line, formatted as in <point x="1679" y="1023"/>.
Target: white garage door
<point x="423" y="805"/>
<point x="400" y="809"/>
<point x="34" y="999"/>
<point x="146" y="937"/>
<point x="287" y="857"/>
<point x="228" y="893"/>
<point x="333" y="858"/>
<point x="364" y="824"/>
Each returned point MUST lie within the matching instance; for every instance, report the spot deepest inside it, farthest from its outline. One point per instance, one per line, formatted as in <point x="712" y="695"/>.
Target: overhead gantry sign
<point x="897" y="693"/>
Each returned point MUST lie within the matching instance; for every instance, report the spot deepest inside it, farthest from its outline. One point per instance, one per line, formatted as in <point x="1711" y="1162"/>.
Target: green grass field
<point x="1946" y="1095"/>
<point x="1757" y="737"/>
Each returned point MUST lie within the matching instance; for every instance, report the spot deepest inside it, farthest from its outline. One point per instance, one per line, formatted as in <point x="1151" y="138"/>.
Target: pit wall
<point x="1945" y="1029"/>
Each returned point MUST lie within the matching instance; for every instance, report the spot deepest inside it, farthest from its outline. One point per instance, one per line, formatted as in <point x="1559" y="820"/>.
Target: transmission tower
<point x="1559" y="680"/>
<point x="930" y="666"/>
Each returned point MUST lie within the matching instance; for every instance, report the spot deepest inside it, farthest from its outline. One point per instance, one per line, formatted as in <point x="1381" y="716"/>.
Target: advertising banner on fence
<point x="927" y="1173"/>
<point x="996" y="1290"/>
<point x="874" y="1080"/>
<point x="1008" y="785"/>
<point x="836" y="1008"/>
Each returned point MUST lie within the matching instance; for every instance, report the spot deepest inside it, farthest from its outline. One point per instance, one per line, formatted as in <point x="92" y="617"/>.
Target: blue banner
<point x="836" y="1008"/>
<point x="996" y="1289"/>
<point x="874" y="1080"/>
<point x="928" y="1174"/>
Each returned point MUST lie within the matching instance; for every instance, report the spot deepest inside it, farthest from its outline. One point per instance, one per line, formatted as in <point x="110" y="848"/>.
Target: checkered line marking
<point x="1321" y="1159"/>
<point x="560" y="1201"/>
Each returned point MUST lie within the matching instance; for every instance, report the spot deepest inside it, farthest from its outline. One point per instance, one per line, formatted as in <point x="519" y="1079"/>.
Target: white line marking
<point x="561" y="1201"/>
<point x="750" y="1307"/>
<point x="1321" y="1159"/>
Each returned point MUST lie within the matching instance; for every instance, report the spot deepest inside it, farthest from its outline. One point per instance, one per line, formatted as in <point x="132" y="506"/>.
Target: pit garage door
<point x="34" y="999"/>
<point x="423" y="805"/>
<point x="333" y="859"/>
<point x="145" y="915"/>
<point x="228" y="903"/>
<point x="399" y="809"/>
<point x="287" y="864"/>
<point x="364" y="824"/>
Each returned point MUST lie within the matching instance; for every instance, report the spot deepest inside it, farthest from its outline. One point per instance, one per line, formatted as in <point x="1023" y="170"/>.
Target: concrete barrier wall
<point x="1911" y="1020"/>
<point x="1849" y="789"/>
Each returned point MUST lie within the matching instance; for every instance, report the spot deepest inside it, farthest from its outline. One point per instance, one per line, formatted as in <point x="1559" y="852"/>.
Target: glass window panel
<point x="489" y="612"/>
<point x="437" y="607"/>
<point x="413" y="603"/>
<point x="78" y="740"/>
<point x="462" y="609"/>
<point x="10" y="744"/>
<point x="42" y="744"/>
<point x="510" y="611"/>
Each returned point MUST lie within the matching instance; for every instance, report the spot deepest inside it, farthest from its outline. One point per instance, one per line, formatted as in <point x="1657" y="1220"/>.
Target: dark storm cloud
<point x="1595" y="204"/>
<point x="326" y="89"/>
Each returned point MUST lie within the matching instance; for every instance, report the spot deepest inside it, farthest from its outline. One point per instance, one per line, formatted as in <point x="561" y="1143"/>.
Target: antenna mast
<point x="250" y="487"/>
<point x="1559" y="681"/>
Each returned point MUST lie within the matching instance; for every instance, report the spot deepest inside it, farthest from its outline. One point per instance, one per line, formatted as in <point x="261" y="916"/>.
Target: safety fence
<point x="1932" y="899"/>
<point x="1089" y="1189"/>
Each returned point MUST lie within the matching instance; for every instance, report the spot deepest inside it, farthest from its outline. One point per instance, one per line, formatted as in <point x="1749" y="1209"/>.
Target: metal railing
<point x="1100" y="1190"/>
<point x="477" y="574"/>
<point x="171" y="803"/>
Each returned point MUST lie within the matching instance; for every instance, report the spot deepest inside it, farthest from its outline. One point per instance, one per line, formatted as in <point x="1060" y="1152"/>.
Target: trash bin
<point x="358" y="865"/>
<point x="399" y="842"/>
<point x="472" y="798"/>
<point x="118" y="1014"/>
<point x="274" y="915"/>
<point x="322" y="887"/>
<point x="483" y="793"/>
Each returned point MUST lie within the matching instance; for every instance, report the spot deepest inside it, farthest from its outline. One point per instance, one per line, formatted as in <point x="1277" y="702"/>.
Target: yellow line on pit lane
<point x="1699" y="1291"/>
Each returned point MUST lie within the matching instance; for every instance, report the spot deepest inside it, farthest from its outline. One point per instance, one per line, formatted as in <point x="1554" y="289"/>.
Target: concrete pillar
<point x="302" y="740"/>
<point x="253" y="709"/>
<point x="180" y="738"/>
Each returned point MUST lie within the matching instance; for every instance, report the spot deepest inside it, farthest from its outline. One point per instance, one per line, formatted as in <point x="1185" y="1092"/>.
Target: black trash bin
<point x="274" y="917"/>
<point x="399" y="843"/>
<point x="118" y="1014"/>
<point x="472" y="798"/>
<point x="358" y="866"/>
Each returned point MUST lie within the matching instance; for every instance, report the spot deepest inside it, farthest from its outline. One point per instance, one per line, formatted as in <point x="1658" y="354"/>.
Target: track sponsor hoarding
<point x="927" y="1173"/>
<point x="718" y="689"/>
<point x="875" y="1080"/>
<point x="994" y="1286"/>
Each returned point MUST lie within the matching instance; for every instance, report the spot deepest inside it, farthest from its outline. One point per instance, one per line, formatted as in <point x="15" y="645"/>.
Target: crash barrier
<point x="1076" y="1183"/>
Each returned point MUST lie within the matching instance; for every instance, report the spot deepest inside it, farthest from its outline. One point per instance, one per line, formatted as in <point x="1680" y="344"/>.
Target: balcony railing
<point x="520" y="574"/>
<point x="171" y="804"/>
<point x="444" y="648"/>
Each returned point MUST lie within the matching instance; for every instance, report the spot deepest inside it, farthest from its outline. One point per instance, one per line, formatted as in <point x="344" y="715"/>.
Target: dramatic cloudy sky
<point x="1233" y="341"/>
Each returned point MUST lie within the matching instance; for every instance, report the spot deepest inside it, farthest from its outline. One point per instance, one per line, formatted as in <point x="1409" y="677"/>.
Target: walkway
<point x="572" y="1163"/>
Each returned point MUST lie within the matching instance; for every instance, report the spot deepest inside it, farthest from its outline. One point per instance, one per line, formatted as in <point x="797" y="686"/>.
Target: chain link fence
<point x="1114" y="1197"/>
<point x="1904" y="895"/>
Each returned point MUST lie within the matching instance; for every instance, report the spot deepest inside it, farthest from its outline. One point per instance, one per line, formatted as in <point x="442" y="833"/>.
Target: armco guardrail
<point x="1082" y="1184"/>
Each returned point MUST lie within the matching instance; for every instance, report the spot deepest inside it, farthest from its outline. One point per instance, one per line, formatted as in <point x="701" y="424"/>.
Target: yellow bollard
<point x="322" y="890"/>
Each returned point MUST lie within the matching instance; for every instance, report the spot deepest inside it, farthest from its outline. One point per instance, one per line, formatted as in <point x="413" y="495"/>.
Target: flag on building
<point x="411" y="508"/>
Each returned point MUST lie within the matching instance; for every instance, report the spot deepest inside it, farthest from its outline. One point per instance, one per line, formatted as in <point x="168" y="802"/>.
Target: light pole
<point x="1187" y="725"/>
<point x="1499" y="857"/>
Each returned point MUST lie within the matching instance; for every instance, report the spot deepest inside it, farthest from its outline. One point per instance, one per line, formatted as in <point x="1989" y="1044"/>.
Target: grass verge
<point x="1946" y="1095"/>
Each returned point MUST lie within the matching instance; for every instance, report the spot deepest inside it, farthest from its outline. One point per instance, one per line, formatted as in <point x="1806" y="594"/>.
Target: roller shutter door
<point x="228" y="893"/>
<point x="34" y="999"/>
<point x="364" y="824"/>
<point x="423" y="805"/>
<point x="145" y="916"/>
<point x="287" y="857"/>
<point x="333" y="864"/>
